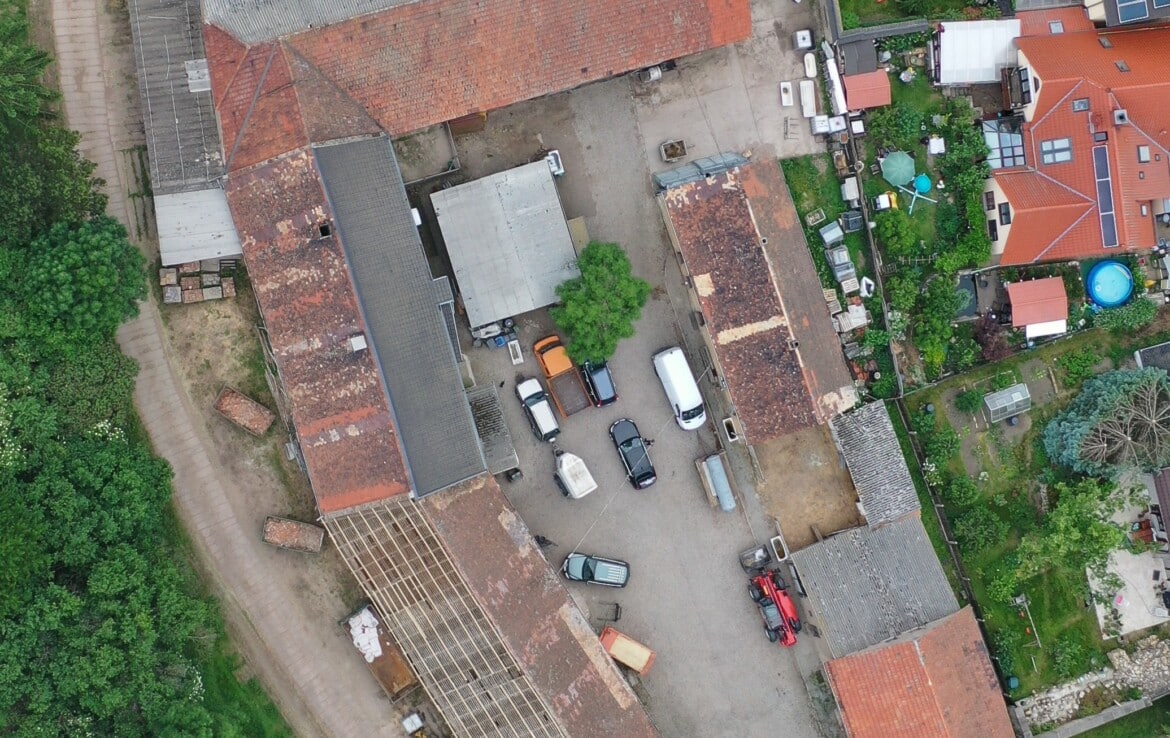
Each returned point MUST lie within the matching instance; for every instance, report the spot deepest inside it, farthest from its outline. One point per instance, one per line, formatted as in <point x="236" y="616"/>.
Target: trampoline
<point x="1109" y="284"/>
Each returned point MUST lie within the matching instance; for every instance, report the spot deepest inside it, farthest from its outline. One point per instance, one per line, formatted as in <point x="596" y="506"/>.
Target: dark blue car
<point x="599" y="382"/>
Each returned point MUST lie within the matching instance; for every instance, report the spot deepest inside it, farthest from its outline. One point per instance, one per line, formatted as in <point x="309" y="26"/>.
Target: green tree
<point x="904" y="289"/>
<point x="21" y="67"/>
<point x="1077" y="532"/>
<point x="897" y="233"/>
<point x="1127" y="318"/>
<point x="1117" y="422"/>
<point x="83" y="281"/>
<point x="899" y="125"/>
<point x="934" y="330"/>
<point x="599" y="308"/>
<point x="961" y="491"/>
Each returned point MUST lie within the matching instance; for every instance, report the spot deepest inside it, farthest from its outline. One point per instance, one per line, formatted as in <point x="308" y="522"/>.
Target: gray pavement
<point x="716" y="674"/>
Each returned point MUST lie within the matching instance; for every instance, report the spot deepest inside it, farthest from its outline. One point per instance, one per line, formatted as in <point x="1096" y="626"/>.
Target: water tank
<point x="720" y="484"/>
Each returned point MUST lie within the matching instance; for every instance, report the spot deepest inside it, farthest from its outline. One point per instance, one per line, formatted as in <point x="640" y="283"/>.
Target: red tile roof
<point x="1073" y="66"/>
<point x="937" y="682"/>
<point x="1035" y="22"/>
<point x="761" y="298"/>
<point x="1037" y="301"/>
<point x="340" y="410"/>
<point x="547" y="635"/>
<point x="422" y="63"/>
<point x="869" y="90"/>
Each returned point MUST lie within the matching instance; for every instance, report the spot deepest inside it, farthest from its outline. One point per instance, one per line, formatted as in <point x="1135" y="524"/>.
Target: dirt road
<point x="281" y="608"/>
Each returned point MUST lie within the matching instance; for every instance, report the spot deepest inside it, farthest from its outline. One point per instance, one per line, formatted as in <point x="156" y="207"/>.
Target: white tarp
<point x="972" y="52"/>
<point x="1051" y="328"/>
<point x="363" y="629"/>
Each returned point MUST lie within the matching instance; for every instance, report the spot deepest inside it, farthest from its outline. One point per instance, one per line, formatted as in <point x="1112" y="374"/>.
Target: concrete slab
<point x="1140" y="592"/>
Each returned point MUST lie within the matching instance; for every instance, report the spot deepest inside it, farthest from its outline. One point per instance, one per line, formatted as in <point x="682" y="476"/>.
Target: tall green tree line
<point x="99" y="634"/>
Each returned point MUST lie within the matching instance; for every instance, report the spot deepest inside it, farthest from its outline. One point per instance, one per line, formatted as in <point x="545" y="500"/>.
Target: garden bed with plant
<point x="863" y="13"/>
<point x="1028" y="522"/>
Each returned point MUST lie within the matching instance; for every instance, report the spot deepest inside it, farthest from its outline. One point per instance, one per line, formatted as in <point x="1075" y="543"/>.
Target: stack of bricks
<point x="195" y="282"/>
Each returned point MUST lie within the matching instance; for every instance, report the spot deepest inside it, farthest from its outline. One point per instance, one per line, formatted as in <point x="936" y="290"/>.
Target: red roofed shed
<point x="1039" y="306"/>
<point x="869" y="90"/>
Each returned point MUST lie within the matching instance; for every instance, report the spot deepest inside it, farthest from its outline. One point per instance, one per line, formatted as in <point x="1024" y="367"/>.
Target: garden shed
<point x="973" y="52"/>
<point x="1039" y="306"/>
<point x="1007" y="403"/>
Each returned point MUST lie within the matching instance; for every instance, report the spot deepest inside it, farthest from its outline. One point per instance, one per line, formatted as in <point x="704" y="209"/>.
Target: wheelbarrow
<point x="673" y="150"/>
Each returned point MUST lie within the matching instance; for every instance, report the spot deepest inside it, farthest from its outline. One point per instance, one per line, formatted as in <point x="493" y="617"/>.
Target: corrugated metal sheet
<point x="492" y="429"/>
<point x="508" y="242"/>
<point x="876" y="464"/>
<point x="869" y="585"/>
<point x="399" y="306"/>
<point x="181" y="133"/>
<point x="195" y="225"/>
<point x="253" y="21"/>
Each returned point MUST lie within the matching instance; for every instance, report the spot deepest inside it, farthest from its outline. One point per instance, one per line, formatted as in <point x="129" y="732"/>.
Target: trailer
<point x="382" y="656"/>
<point x="626" y="651"/>
<point x="293" y="535"/>
<point x="564" y="378"/>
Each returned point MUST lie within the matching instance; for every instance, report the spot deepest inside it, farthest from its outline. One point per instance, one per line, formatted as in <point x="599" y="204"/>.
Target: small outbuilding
<point x="973" y="52"/>
<point x="1039" y="306"/>
<point x="1007" y="403"/>
<point x="508" y="242"/>
<point x="867" y="90"/>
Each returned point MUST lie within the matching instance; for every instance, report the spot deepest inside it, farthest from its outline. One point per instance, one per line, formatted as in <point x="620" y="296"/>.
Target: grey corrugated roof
<point x="508" y="241"/>
<point x="868" y="585"/>
<point x="253" y="21"/>
<point x="182" y="137"/>
<point x="399" y="306"/>
<point x="492" y="429"/>
<point x="1157" y="356"/>
<point x="876" y="464"/>
<point x="1022" y="5"/>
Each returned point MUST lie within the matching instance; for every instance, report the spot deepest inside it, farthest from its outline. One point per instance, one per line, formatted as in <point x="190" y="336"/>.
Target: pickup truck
<point x="564" y="379"/>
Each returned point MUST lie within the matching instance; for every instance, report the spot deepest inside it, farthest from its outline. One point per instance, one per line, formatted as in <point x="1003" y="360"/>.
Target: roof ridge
<point x="251" y="107"/>
<point x="1064" y="233"/>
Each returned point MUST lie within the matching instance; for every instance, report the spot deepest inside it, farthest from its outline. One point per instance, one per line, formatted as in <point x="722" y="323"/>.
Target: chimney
<point x="357" y="344"/>
<point x="1120" y="117"/>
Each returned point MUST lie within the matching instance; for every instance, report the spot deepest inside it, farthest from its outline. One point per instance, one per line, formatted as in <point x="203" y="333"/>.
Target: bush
<point x="849" y="20"/>
<point x="896" y="232"/>
<point x="990" y="337"/>
<point x="1128" y="318"/>
<point x="1078" y="366"/>
<point x="969" y="402"/>
<point x="903" y="290"/>
<point x="961" y="491"/>
<point x="899" y="125"/>
<point x="979" y="528"/>
<point x="942" y="444"/>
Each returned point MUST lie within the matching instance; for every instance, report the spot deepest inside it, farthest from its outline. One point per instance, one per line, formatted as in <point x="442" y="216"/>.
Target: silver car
<point x="579" y="567"/>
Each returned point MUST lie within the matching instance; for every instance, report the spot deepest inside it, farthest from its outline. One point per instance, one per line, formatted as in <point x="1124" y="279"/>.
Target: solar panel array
<point x="1105" y="196"/>
<point x="1129" y="11"/>
<point x="1162" y="3"/>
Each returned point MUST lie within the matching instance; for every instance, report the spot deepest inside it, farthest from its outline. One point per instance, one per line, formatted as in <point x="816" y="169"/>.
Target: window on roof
<point x="1080" y="105"/>
<point x="1129" y="11"/>
<point x="1056" y="151"/>
<point x="1005" y="214"/>
<point x="1143" y="154"/>
<point x="1005" y="142"/>
<point x="1055" y="27"/>
<point x="1025" y="88"/>
<point x="1121" y="66"/>
<point x="1105" y="42"/>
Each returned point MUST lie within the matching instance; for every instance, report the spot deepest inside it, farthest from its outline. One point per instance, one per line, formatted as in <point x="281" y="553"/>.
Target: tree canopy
<point x="599" y="308"/>
<point x="1120" y="420"/>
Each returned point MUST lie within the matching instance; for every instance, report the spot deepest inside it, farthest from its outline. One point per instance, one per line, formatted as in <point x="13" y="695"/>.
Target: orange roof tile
<point x="1035" y="22"/>
<point x="409" y="65"/>
<point x="932" y="683"/>
<point x="1075" y="66"/>
<point x="869" y="90"/>
<point x="1037" y="301"/>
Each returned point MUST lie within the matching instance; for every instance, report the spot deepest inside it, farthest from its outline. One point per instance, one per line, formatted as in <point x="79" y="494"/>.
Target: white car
<point x="538" y="409"/>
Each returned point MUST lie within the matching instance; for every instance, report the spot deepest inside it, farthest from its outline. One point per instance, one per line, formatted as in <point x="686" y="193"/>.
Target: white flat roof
<point x="508" y="241"/>
<point x="971" y="52"/>
<point x="193" y="226"/>
<point x="1050" y="328"/>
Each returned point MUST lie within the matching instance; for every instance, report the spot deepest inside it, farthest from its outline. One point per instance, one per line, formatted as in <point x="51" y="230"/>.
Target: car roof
<point x="529" y="387"/>
<point x="623" y="430"/>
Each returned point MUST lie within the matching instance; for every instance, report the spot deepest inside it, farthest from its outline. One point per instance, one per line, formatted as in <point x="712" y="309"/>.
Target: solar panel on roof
<point x="1162" y="3"/>
<point x="1129" y="11"/>
<point x="1105" y="196"/>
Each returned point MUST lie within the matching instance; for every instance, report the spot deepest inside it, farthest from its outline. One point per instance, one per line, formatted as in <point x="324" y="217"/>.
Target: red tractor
<point x="781" y="622"/>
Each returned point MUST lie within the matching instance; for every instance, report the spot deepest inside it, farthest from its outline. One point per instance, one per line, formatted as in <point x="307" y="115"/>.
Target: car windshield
<point x="693" y="413"/>
<point x="771" y="614"/>
<point x="534" y="400"/>
<point x="587" y="567"/>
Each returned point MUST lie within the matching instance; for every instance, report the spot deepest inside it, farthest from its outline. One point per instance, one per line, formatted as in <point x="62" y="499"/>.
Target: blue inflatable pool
<point x="1109" y="284"/>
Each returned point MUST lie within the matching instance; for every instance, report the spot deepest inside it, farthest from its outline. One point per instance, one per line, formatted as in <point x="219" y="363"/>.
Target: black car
<point x="632" y="449"/>
<point x="599" y="382"/>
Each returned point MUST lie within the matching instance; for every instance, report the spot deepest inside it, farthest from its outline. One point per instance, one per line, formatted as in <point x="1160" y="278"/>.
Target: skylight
<point x="1129" y="11"/>
<point x="1056" y="151"/>
<point x="1004" y="142"/>
<point x="1105" y="196"/>
<point x="1081" y="104"/>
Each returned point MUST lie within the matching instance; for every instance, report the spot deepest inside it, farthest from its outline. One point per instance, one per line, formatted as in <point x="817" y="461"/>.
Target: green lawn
<point x="1148" y="723"/>
<point x="814" y="184"/>
<point x="858" y="13"/>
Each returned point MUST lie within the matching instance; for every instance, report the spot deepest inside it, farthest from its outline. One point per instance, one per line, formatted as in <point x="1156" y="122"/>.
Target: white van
<point x="681" y="389"/>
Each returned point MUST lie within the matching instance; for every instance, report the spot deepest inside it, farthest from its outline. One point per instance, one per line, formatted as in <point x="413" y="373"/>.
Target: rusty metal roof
<point x="761" y="297"/>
